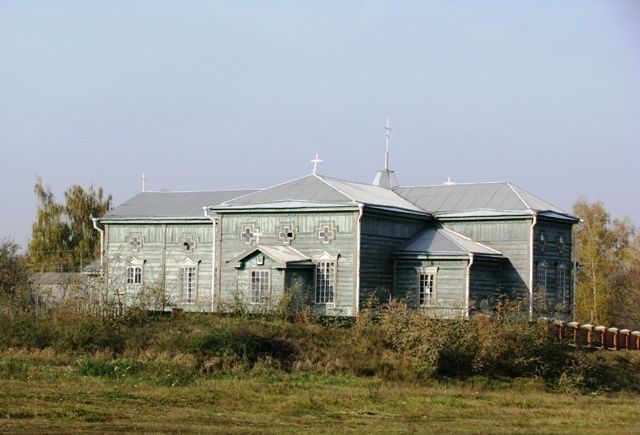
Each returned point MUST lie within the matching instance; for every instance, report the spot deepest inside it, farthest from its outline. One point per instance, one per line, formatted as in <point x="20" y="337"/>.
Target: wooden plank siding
<point x="306" y="226"/>
<point x="484" y="283"/>
<point x="162" y="252"/>
<point x="554" y="254"/>
<point x="450" y="285"/>
<point x="511" y="238"/>
<point x="381" y="236"/>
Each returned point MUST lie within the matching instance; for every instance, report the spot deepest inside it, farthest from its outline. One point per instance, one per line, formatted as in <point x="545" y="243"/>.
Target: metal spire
<point x="143" y="180"/>
<point x="387" y="136"/>
<point x="315" y="163"/>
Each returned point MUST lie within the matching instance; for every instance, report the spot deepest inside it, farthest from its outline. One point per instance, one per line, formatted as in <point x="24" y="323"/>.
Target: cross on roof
<point x="315" y="163"/>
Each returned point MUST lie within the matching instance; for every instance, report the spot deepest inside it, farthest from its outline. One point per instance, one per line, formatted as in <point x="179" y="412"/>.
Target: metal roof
<point x="434" y="240"/>
<point x="495" y="196"/>
<point x="281" y="254"/>
<point x="316" y="190"/>
<point x="170" y="204"/>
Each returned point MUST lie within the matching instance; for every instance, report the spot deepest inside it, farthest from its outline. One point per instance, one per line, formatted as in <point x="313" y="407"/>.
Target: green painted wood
<point x="554" y="254"/>
<point x="511" y="238"/>
<point x="162" y="252"/>
<point x="381" y="236"/>
<point x="450" y="285"/>
<point x="306" y="227"/>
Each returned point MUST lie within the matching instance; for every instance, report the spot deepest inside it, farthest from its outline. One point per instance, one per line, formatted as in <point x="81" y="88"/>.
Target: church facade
<point x="448" y="250"/>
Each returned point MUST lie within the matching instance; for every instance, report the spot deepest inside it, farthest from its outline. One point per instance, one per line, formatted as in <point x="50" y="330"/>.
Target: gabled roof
<point x="284" y="256"/>
<point x="476" y="199"/>
<point x="320" y="191"/>
<point x="442" y="241"/>
<point x="167" y="205"/>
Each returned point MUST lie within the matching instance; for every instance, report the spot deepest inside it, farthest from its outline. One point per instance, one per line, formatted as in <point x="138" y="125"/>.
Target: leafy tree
<point x="63" y="237"/>
<point x="11" y="267"/>
<point x="604" y="249"/>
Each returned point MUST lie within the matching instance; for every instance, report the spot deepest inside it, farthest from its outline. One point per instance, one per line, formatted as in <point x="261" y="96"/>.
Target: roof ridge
<point x="453" y="184"/>
<point x="468" y="239"/>
<point x="446" y="230"/>
<point x="265" y="188"/>
<point x="198" y="191"/>
<point x="511" y="186"/>
<point x="319" y="177"/>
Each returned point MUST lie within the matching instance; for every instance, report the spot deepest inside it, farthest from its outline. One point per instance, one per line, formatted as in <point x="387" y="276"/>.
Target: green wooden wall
<point x="511" y="238"/>
<point x="450" y="285"/>
<point x="548" y="249"/>
<point x="162" y="252"/>
<point x="306" y="226"/>
<point x="381" y="236"/>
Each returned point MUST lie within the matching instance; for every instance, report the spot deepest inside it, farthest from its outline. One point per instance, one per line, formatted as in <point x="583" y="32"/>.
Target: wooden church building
<point x="448" y="249"/>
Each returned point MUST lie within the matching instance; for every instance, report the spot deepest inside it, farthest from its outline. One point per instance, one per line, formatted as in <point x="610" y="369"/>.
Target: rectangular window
<point x="541" y="280"/>
<point x="260" y="286"/>
<point x="561" y="290"/>
<point x="325" y="281"/>
<point x="134" y="275"/>
<point x="426" y="288"/>
<point x="189" y="282"/>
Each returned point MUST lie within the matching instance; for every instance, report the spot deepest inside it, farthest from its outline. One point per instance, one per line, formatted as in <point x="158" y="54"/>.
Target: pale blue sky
<point x="212" y="95"/>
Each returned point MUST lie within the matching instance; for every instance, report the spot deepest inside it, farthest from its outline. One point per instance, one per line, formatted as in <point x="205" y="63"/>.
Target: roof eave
<point x="419" y="255"/>
<point x="158" y="219"/>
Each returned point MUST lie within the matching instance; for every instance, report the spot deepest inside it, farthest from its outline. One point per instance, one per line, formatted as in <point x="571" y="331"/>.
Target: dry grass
<point x="41" y="391"/>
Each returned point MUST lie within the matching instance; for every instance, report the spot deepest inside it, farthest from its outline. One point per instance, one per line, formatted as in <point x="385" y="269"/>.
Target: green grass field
<point x="44" y="391"/>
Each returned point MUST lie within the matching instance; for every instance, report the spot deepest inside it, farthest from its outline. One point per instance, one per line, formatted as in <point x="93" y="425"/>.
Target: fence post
<point x="589" y="329"/>
<point x="636" y="334"/>
<point x="614" y="337"/>
<point x="625" y="337"/>
<point x="576" y="332"/>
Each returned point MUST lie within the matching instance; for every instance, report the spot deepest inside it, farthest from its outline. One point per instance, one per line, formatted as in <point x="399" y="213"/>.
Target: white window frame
<point x="135" y="272"/>
<point x="325" y="279"/>
<point x="134" y="275"/>
<point x="260" y="286"/>
<point x="188" y="285"/>
<point x="426" y="275"/>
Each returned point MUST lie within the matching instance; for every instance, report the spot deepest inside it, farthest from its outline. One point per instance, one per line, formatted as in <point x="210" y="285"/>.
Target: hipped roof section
<point x="167" y="205"/>
<point x="317" y="191"/>
<point x="478" y="199"/>
<point x="442" y="241"/>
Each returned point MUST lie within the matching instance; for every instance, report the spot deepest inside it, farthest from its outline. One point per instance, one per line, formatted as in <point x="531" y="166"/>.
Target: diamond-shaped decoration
<point x="248" y="235"/>
<point x="286" y="234"/>
<point x="189" y="243"/>
<point x="326" y="234"/>
<point x="135" y="243"/>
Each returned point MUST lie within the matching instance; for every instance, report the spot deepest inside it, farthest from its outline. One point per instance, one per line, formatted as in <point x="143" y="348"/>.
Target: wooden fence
<point x="597" y="337"/>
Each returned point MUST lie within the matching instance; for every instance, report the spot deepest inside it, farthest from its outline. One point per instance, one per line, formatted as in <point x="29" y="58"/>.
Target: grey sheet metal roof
<point x="443" y="241"/>
<point x="170" y="204"/>
<point x="492" y="196"/>
<point x="317" y="190"/>
<point x="281" y="254"/>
